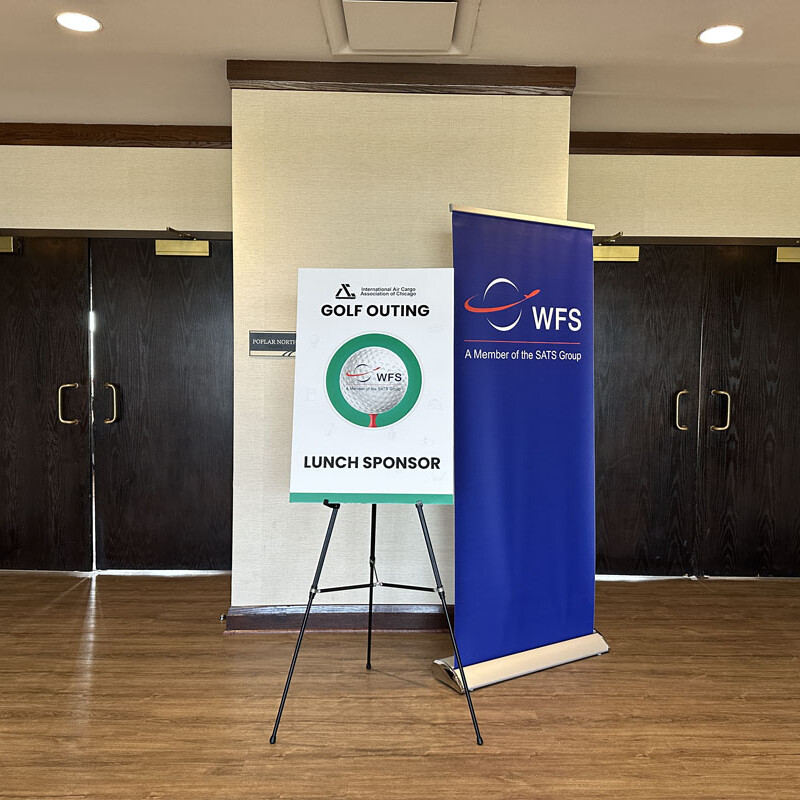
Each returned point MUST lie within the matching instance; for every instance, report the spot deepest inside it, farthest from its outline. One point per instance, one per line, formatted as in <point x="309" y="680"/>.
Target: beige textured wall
<point x="330" y="179"/>
<point x="686" y="195"/>
<point x="115" y="188"/>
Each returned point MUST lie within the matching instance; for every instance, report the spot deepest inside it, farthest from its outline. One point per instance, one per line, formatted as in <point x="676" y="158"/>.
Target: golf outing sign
<point x="373" y="397"/>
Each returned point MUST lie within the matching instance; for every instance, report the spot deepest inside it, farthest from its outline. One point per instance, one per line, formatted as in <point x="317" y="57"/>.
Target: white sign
<point x="373" y="390"/>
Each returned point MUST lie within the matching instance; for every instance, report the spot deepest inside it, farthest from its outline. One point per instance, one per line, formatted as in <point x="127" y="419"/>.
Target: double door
<point x="116" y="420"/>
<point x="697" y="385"/>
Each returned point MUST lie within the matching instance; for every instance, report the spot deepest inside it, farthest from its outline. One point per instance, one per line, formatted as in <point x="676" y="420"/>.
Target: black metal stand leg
<point x="314" y="586"/>
<point x="371" y="582"/>
<point x="440" y="591"/>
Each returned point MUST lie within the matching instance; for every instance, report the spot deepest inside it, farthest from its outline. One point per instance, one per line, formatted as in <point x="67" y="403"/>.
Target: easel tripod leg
<point x="314" y="586"/>
<point x="440" y="591"/>
<point x="371" y="583"/>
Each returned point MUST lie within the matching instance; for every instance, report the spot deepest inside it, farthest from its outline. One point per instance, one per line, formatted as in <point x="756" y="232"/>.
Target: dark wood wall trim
<point x="331" y="76"/>
<point x="386" y="618"/>
<point x="118" y="234"/>
<point x="218" y="137"/>
<point x="739" y="241"/>
<point x="215" y="137"/>
<point x="683" y="144"/>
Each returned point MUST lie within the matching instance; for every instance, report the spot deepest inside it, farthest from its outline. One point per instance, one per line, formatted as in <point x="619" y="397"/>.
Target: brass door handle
<point x="113" y="417"/>
<point x="61" y="404"/>
<point x="678" y="411"/>
<point x="727" y="413"/>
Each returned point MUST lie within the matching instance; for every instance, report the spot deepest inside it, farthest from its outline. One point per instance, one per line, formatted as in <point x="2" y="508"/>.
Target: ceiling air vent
<point x="397" y="25"/>
<point x="400" y="27"/>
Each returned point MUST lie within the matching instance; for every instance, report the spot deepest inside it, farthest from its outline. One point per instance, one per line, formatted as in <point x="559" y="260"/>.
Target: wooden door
<point x="750" y="473"/>
<point x="647" y="349"/>
<point x="45" y="466"/>
<point x="163" y="469"/>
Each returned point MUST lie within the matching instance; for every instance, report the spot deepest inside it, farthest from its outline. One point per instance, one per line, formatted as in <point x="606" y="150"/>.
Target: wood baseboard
<point x="337" y="618"/>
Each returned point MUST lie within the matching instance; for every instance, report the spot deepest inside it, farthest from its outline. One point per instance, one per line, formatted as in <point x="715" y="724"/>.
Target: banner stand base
<point x="496" y="670"/>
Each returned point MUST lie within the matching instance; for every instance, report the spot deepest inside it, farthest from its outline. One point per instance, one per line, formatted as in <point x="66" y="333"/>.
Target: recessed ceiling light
<point x="78" y="22"/>
<point x="720" y="34"/>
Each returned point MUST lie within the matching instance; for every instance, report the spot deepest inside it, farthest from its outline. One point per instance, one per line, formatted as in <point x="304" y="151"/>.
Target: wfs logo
<point x="502" y="303"/>
<point x="365" y="373"/>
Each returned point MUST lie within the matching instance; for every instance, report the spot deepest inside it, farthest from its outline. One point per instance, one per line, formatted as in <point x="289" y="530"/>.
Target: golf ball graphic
<point x="373" y="380"/>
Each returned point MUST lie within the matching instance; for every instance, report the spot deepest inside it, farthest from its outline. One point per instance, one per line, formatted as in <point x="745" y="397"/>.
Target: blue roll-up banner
<point x="524" y="445"/>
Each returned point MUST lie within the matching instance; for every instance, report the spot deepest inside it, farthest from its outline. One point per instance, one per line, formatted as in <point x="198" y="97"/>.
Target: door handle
<point x="727" y="413"/>
<point x="678" y="410"/>
<point x="113" y="417"/>
<point x="61" y="404"/>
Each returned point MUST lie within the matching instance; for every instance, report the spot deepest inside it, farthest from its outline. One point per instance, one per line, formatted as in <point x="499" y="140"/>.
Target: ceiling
<point x="639" y="65"/>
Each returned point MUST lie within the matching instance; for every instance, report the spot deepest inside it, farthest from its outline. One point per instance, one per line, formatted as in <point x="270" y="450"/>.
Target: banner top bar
<point x="486" y="212"/>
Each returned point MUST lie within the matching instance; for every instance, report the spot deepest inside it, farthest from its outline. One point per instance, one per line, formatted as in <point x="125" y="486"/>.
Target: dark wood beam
<point x="733" y="241"/>
<point x="630" y="143"/>
<point x="332" y="76"/>
<point x="57" y="233"/>
<point x="68" y="134"/>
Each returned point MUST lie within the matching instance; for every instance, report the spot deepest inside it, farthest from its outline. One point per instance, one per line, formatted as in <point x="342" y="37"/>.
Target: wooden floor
<point x="126" y="688"/>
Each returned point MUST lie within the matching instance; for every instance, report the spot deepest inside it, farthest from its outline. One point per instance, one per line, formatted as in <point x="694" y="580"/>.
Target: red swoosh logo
<point x="468" y="304"/>
<point x="360" y="374"/>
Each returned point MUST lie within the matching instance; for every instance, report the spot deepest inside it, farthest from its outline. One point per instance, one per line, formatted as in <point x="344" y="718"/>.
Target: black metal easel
<point x="373" y="582"/>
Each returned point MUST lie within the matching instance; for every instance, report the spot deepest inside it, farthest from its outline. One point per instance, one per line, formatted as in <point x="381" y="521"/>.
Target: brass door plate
<point x="182" y="247"/>
<point x="611" y="252"/>
<point x="788" y="255"/>
<point x="8" y="244"/>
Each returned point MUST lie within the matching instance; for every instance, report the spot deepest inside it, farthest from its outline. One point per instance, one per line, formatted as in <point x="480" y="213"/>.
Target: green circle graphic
<point x="402" y="351"/>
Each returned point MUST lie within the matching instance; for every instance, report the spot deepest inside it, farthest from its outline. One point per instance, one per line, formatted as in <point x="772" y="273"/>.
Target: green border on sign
<point x="347" y="497"/>
<point x="402" y="351"/>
